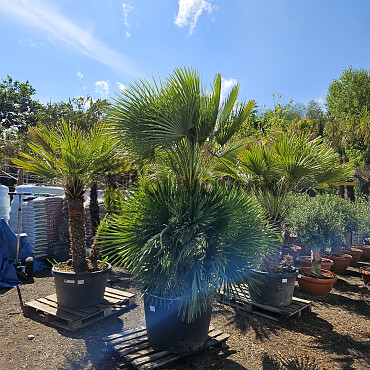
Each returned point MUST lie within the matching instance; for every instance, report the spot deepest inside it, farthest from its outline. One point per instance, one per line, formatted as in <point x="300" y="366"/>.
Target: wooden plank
<point x="119" y="292"/>
<point x="123" y="334"/>
<point x="51" y="310"/>
<point x="86" y="310"/>
<point x="141" y="352"/>
<point x="214" y="341"/>
<point x="130" y="343"/>
<point x="47" y="309"/>
<point x="144" y="356"/>
<point x="127" y="338"/>
<point x="165" y="361"/>
<point x="295" y="299"/>
<point x="65" y="309"/>
<point x="264" y="315"/>
<point x="131" y="353"/>
<point x="151" y="358"/>
<point x="214" y="333"/>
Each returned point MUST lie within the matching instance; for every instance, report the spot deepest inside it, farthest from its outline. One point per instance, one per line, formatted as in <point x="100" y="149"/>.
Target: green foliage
<point x="82" y="112"/>
<point x="186" y="242"/>
<point x="178" y="122"/>
<point x="348" y="96"/>
<point x="283" y="165"/>
<point x="70" y="155"/>
<point x="181" y="234"/>
<point x="348" y="102"/>
<point x="363" y="217"/>
<point x="17" y="108"/>
<point x="317" y="221"/>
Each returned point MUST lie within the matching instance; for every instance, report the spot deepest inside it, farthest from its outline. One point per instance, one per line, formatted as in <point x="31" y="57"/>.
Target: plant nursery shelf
<point x="243" y="301"/>
<point x="136" y="351"/>
<point x="47" y="310"/>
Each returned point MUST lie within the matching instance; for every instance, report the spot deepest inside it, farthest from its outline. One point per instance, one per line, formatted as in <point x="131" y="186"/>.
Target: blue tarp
<point x="8" y="251"/>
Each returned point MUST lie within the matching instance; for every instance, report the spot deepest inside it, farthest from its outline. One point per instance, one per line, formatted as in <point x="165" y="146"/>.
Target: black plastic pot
<point x="166" y="329"/>
<point x="273" y="289"/>
<point x="80" y="290"/>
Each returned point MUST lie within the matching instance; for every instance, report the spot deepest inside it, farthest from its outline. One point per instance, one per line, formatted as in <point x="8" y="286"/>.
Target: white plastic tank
<point x="4" y="203"/>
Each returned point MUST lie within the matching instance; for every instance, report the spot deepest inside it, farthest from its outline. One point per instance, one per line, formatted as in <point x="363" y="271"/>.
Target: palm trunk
<point x="94" y="209"/>
<point x="316" y="262"/>
<point x="77" y="234"/>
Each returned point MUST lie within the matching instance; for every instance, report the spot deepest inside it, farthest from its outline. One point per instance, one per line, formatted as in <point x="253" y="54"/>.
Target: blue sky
<point x="70" y="48"/>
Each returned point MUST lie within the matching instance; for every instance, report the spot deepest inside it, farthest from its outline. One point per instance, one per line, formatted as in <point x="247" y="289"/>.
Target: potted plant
<point x="305" y="261"/>
<point x="341" y="252"/>
<point x="365" y="273"/>
<point x="66" y="154"/>
<point x="182" y="235"/>
<point x="316" y="222"/>
<point x="274" y="280"/>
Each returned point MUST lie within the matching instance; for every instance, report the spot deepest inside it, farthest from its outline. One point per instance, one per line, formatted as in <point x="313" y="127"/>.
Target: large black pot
<point x="273" y="289"/>
<point x="168" y="331"/>
<point x="80" y="290"/>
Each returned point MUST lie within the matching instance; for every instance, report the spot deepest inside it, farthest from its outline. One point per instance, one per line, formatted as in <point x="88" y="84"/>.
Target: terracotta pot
<point x="315" y="286"/>
<point x="292" y="251"/>
<point x="356" y="255"/>
<point x="340" y="263"/>
<point x="365" y="275"/>
<point x="366" y="251"/>
<point x="305" y="261"/>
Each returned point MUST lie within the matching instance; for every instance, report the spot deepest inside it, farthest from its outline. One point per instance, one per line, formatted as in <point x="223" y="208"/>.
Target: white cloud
<point x="102" y="88"/>
<point x="121" y="86"/>
<point x="190" y="11"/>
<point x="31" y="43"/>
<point x="79" y="75"/>
<point x="40" y="14"/>
<point x="126" y="9"/>
<point x="128" y="34"/>
<point x="320" y="100"/>
<point x="226" y="86"/>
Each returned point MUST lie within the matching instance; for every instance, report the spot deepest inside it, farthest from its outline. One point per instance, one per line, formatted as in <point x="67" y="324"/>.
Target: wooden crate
<point x="136" y="351"/>
<point x="241" y="299"/>
<point x="47" y="310"/>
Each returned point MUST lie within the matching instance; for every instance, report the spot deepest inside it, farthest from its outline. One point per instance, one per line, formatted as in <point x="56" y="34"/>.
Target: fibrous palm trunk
<point x="77" y="233"/>
<point x="94" y="208"/>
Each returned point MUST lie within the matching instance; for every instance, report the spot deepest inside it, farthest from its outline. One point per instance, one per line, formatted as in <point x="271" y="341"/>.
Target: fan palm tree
<point x="75" y="158"/>
<point x="179" y="123"/>
<point x="283" y="165"/>
<point x="182" y="234"/>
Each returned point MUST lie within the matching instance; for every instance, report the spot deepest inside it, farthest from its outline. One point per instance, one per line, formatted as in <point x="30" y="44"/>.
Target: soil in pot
<point x="168" y="331"/>
<point x="356" y="255"/>
<point x="317" y="286"/>
<point x="340" y="263"/>
<point x="80" y="290"/>
<point x="305" y="261"/>
<point x="365" y="273"/>
<point x="273" y="289"/>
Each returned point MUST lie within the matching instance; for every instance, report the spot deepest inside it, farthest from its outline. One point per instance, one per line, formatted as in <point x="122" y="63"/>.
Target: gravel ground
<point x="335" y="335"/>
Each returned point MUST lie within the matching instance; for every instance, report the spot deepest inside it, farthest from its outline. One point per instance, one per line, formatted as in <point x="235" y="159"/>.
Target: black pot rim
<point x="276" y="274"/>
<point x="81" y="274"/>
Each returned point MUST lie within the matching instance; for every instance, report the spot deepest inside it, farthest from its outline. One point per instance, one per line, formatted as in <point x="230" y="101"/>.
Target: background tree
<point x="17" y="108"/>
<point x="18" y="111"/>
<point x="347" y="127"/>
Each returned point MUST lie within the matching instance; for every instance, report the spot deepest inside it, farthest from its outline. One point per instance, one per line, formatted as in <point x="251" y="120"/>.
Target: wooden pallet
<point x="47" y="310"/>
<point x="242" y="300"/>
<point x="136" y="351"/>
